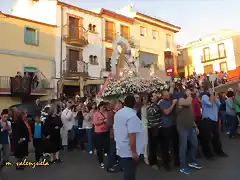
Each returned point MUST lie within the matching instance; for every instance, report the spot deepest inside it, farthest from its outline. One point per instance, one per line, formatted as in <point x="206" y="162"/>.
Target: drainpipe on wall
<point x="61" y="64"/>
<point x="102" y="52"/>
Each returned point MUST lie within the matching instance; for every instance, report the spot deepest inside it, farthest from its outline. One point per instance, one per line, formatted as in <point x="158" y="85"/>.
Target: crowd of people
<point x="195" y="81"/>
<point x="166" y="126"/>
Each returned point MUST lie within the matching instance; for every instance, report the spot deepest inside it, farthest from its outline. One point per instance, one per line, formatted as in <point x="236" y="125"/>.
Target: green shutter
<point x="25" y="35"/>
<point x="37" y="42"/>
<point x="31" y="35"/>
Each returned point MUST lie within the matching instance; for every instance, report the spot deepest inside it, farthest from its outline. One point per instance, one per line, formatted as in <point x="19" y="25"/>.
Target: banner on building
<point x="169" y="64"/>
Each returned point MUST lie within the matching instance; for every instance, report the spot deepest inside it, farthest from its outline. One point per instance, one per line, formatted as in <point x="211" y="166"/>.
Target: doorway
<point x="208" y="69"/>
<point x="71" y="91"/>
<point x="74" y="32"/>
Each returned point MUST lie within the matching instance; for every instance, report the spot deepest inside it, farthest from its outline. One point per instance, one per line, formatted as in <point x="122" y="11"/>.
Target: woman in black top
<point x="52" y="134"/>
<point x="20" y="139"/>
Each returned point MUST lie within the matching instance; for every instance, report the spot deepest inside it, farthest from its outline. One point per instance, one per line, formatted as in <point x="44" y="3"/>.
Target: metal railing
<point x="80" y="67"/>
<point x="71" y="32"/>
<point x="5" y="83"/>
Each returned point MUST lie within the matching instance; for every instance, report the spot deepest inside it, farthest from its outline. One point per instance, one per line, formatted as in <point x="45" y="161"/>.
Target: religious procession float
<point x="125" y="78"/>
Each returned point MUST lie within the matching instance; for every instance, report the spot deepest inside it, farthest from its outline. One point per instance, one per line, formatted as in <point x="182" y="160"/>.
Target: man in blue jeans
<point x="187" y="131"/>
<point x="129" y="136"/>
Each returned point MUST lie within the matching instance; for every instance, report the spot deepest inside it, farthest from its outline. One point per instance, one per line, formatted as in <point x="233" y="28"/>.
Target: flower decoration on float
<point x="132" y="84"/>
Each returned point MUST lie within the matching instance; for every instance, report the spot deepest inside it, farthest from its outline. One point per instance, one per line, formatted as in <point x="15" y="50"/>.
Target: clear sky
<point x="195" y="17"/>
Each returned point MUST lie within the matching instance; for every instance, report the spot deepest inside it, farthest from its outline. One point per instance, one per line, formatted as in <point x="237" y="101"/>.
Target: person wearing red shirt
<point x="196" y="109"/>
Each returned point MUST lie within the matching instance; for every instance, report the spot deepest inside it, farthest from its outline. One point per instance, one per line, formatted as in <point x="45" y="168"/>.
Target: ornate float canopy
<point x="130" y="81"/>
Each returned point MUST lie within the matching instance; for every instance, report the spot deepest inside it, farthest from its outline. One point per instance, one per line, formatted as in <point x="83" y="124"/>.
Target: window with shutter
<point x="143" y="31"/>
<point x="223" y="67"/>
<point x="155" y="34"/>
<point x="168" y="41"/>
<point x="125" y="32"/>
<point x="221" y="50"/>
<point x="109" y="30"/>
<point x="74" y="27"/>
<point x="31" y="36"/>
<point x="74" y="56"/>
<point x="206" y="53"/>
<point x="108" y="58"/>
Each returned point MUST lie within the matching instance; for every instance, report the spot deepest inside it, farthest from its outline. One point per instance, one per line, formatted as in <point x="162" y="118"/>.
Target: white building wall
<point x="95" y="41"/>
<point x="43" y="10"/>
<point x="197" y="52"/>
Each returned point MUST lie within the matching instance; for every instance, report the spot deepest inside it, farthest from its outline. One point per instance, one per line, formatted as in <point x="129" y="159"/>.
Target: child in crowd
<point x="5" y="129"/>
<point x="37" y="130"/>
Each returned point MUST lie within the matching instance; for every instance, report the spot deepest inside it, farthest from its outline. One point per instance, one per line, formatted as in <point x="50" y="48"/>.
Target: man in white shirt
<point x="66" y="118"/>
<point x="129" y="136"/>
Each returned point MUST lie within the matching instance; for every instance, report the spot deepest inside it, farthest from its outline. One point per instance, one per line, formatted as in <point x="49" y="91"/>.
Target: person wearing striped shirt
<point x="153" y="123"/>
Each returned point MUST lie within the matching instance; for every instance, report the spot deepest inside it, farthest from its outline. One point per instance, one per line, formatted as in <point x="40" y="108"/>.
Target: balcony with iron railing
<point x="78" y="68"/>
<point x="38" y="87"/>
<point x="75" y="35"/>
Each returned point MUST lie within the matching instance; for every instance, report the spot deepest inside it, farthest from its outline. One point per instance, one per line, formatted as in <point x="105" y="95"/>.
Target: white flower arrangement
<point x="131" y="84"/>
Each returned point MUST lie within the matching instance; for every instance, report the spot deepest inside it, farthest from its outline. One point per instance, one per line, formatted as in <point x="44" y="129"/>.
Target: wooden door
<point x="208" y="69"/>
<point x="125" y="32"/>
<point x="73" y="56"/>
<point x="74" y="32"/>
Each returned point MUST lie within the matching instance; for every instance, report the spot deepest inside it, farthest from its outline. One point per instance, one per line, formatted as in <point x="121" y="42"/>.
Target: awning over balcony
<point x="30" y="69"/>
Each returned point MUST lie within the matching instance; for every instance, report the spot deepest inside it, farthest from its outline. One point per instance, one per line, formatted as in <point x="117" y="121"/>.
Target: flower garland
<point x="130" y="84"/>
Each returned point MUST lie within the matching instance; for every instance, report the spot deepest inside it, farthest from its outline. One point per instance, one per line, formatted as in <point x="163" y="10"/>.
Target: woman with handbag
<point x="101" y="132"/>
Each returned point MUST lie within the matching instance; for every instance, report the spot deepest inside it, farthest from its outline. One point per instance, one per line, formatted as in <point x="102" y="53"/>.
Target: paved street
<point x="79" y="165"/>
